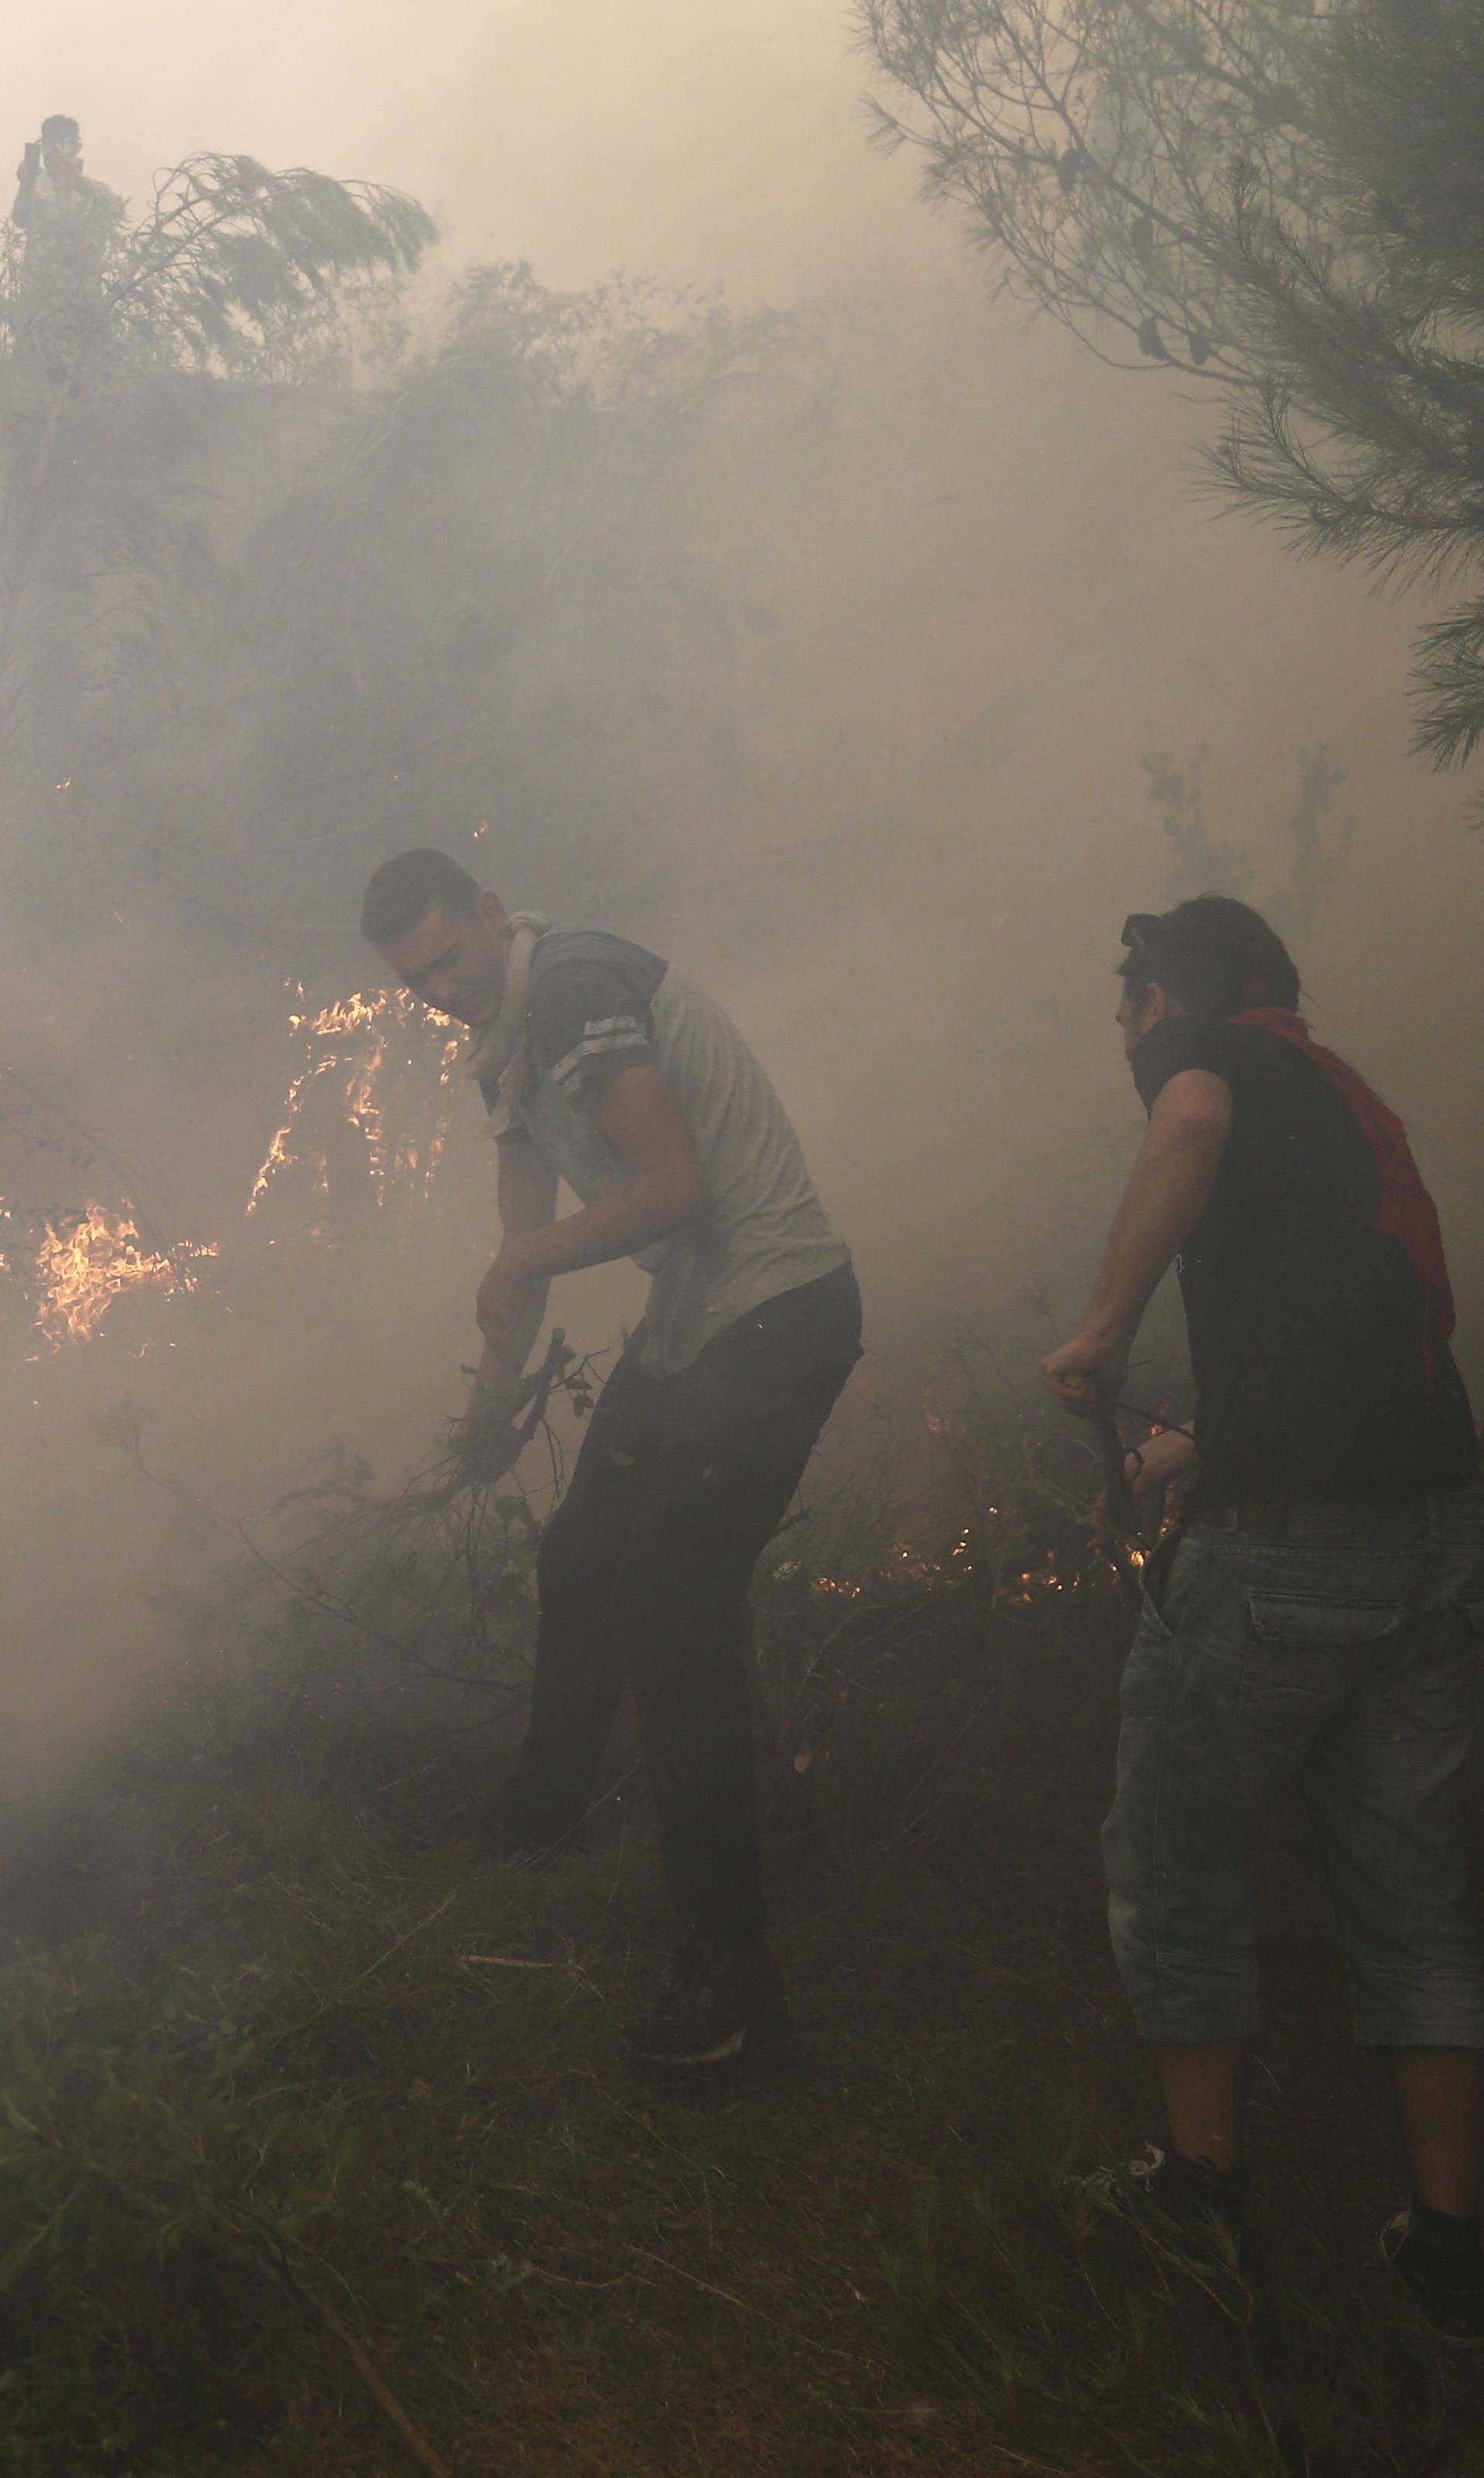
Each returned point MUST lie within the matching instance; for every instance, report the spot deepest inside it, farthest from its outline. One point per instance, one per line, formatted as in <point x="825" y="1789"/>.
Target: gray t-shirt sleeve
<point x="589" y="1016"/>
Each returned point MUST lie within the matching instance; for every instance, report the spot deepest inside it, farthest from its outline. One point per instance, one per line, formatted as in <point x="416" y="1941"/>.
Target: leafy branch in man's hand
<point x="488" y="1443"/>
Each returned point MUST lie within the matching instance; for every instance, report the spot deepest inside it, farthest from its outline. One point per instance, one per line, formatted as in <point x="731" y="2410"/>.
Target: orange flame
<point x="85" y="1261"/>
<point x="362" y="1044"/>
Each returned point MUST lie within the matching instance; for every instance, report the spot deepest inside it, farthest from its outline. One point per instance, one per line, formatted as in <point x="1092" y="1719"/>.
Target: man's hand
<point x="505" y="1301"/>
<point x="1149" y="1473"/>
<point x="1088" y="1375"/>
<point x="486" y="1438"/>
<point x="504" y="1412"/>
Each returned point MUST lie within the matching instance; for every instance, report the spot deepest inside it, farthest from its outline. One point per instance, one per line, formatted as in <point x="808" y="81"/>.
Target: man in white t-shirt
<point x="604" y="1068"/>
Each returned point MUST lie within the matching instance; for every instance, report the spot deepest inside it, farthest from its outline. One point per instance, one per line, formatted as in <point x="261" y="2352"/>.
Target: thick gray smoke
<point x="834" y="671"/>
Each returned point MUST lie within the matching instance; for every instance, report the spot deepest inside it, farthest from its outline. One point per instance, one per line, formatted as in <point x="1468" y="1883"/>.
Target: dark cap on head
<point x="1213" y="955"/>
<point x="59" y="129"/>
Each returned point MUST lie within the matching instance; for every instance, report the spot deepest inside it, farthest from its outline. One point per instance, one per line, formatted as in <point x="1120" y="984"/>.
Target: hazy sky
<point x="1061" y="563"/>
<point x="698" y="140"/>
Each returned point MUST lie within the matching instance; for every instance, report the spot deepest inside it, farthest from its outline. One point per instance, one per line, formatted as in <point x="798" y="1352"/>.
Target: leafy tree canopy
<point x="1284" y="197"/>
<point x="235" y="271"/>
<point x="1366" y="434"/>
<point x="1091" y="143"/>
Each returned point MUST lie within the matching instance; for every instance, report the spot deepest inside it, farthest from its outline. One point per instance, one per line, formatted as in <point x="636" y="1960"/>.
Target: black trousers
<point x="642" y="1577"/>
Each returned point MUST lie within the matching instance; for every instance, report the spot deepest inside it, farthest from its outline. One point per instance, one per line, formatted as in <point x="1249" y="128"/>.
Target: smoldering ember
<point x="739" y="1240"/>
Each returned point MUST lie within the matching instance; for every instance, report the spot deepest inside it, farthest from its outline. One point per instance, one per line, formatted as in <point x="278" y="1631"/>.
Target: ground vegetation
<point x="319" y="2154"/>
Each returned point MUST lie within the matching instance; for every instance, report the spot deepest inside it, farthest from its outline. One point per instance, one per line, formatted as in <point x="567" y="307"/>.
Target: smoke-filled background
<point x="787" y="605"/>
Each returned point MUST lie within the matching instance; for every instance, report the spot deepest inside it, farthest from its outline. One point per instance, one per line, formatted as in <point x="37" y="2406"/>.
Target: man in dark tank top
<point x="1312" y="1621"/>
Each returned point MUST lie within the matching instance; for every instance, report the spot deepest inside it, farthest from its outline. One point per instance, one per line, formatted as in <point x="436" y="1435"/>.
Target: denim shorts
<point x="1342" y="1662"/>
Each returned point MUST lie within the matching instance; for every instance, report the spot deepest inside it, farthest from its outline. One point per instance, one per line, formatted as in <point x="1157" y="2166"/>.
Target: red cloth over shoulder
<point x="1407" y="1212"/>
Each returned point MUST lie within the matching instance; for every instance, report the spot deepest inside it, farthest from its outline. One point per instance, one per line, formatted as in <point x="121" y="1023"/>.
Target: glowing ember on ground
<point x="84" y="1262"/>
<point x="911" y="1565"/>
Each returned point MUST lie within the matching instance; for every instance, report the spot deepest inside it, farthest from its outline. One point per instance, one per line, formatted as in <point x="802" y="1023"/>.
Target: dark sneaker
<point x="716" y="1998"/>
<point x="1446" y="2282"/>
<point x="1201" y="2211"/>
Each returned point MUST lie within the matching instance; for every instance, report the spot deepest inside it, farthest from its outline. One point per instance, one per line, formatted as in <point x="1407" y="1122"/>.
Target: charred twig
<point x="249" y="2234"/>
<point x="472" y="1471"/>
<point x="501" y="1439"/>
<point x="1115" y="1493"/>
<point x="444" y="1523"/>
<point x="281" y="2272"/>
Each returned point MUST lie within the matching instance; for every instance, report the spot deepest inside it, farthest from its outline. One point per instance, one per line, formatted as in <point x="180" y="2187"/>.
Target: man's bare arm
<point x="1167" y="1191"/>
<point x="664" y="1191"/>
<point x="526" y="1193"/>
<point x="525" y="1189"/>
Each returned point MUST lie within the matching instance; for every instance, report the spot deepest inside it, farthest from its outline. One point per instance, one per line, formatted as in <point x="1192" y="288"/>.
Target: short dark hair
<point x="402" y="889"/>
<point x="1214" y="955"/>
<point x="60" y="124"/>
